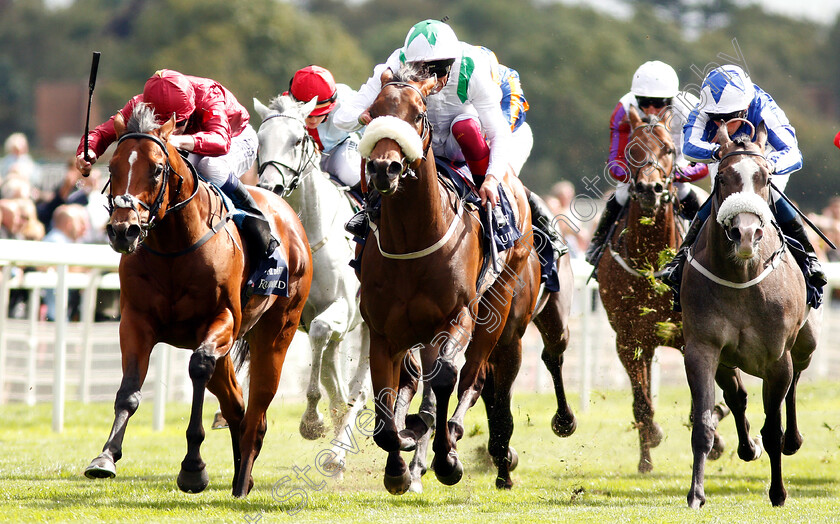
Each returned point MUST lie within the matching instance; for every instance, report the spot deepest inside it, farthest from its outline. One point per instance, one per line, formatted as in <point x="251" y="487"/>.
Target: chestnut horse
<point x="182" y="275"/>
<point x="419" y="273"/>
<point x="637" y="305"/>
<point x="744" y="308"/>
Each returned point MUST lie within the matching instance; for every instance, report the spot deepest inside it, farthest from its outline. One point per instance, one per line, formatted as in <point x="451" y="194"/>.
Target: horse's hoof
<point x="101" y="468"/>
<point x="408" y="442"/>
<point x="645" y="466"/>
<point x="563" y="426"/>
<point x="655" y="435"/>
<point x="453" y="476"/>
<point x="696" y="501"/>
<point x="312" y="430"/>
<point x="416" y="486"/>
<point x="397" y="484"/>
<point x="219" y="421"/>
<point x="718" y="447"/>
<point x="193" y="481"/>
<point x="513" y="459"/>
<point x="792" y="443"/>
<point x="749" y="453"/>
<point x="504" y="483"/>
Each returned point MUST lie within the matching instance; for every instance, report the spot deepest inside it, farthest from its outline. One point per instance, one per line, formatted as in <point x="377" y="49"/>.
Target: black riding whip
<point x="94" y="68"/>
<point x="804" y="218"/>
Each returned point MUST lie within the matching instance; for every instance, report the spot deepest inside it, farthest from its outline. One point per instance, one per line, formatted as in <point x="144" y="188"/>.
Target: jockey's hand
<point x="489" y="191"/>
<point x="83" y="165"/>
<point x="364" y="118"/>
<point x="183" y="142"/>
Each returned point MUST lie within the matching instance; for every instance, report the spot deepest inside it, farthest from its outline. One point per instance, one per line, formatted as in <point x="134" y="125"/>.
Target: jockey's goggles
<point x="647" y="101"/>
<point x="439" y="68"/>
<point x="726" y="117"/>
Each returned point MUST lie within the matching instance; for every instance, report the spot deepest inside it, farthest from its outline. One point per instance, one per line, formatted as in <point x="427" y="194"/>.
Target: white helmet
<point x="430" y="40"/>
<point x="725" y="90"/>
<point x="655" y="79"/>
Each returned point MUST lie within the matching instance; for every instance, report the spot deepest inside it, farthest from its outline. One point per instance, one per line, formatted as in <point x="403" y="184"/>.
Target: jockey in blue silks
<point x="728" y="93"/>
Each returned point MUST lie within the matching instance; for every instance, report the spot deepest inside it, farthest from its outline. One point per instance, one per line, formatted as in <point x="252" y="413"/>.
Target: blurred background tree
<point x="575" y="62"/>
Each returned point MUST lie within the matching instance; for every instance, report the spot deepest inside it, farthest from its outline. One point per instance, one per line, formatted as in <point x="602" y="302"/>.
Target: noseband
<point x="308" y="154"/>
<point x="129" y="201"/>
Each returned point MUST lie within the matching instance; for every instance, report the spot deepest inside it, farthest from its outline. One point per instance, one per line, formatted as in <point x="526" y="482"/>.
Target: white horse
<point x="289" y="164"/>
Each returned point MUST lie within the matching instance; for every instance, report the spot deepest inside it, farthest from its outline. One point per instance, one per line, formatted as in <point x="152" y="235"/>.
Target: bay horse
<point x="289" y="165"/>
<point x="419" y="294"/>
<point x="744" y="308"/>
<point x="182" y="275"/>
<point x="637" y="305"/>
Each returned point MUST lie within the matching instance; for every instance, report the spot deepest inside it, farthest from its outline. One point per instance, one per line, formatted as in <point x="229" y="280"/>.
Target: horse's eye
<point x="157" y="170"/>
<point x="418" y="118"/>
<point x="299" y="141"/>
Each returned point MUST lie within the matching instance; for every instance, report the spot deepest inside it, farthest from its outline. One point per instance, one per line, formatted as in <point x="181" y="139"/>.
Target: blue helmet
<point x="725" y="90"/>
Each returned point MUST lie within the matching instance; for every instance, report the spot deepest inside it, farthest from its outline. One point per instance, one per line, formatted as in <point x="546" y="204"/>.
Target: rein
<point x="129" y="201"/>
<point x="307" y="159"/>
<point x="427" y="126"/>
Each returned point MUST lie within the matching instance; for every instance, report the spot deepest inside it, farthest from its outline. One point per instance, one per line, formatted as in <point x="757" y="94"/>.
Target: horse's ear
<point x="722" y="136"/>
<point x="260" y="109"/>
<point x="634" y="118"/>
<point x="309" y="106"/>
<point x="761" y="135"/>
<point x="119" y="124"/>
<point x="167" y="128"/>
<point x="428" y="85"/>
<point x="386" y="77"/>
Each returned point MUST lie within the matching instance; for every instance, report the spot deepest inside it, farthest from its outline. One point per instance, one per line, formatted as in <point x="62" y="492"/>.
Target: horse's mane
<point x="410" y="72"/>
<point x="650" y="119"/>
<point x="142" y="119"/>
<point x="742" y="140"/>
<point x="281" y="103"/>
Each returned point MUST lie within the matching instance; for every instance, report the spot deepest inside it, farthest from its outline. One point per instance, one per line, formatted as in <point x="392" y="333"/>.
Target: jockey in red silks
<point x="212" y="126"/>
<point x="654" y="91"/>
<point x="465" y="111"/>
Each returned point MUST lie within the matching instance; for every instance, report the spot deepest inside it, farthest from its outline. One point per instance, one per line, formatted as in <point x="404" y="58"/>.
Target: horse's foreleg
<point x="793" y="439"/>
<point x="554" y="330"/>
<point x="776" y="385"/>
<point x="424" y="423"/>
<point x="136" y="348"/>
<point x="700" y="365"/>
<point x="735" y="396"/>
<point x="384" y="374"/>
<point x="312" y="422"/>
<point x="500" y="420"/>
<point x="223" y="384"/>
<point x="638" y="370"/>
<point x="193" y="477"/>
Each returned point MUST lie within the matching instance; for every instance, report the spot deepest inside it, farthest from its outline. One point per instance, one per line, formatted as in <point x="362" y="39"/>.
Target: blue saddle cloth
<point x="271" y="274"/>
<point x="505" y="232"/>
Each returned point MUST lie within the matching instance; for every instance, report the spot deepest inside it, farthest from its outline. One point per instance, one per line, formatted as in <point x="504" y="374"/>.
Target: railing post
<point x="60" y="363"/>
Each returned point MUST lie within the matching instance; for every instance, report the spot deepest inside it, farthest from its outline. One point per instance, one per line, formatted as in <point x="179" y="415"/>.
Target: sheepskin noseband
<point x="396" y="129"/>
<point x="743" y="202"/>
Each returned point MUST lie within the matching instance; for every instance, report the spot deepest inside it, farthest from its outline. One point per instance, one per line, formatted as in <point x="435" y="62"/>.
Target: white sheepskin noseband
<point x="396" y="129"/>
<point x="737" y="203"/>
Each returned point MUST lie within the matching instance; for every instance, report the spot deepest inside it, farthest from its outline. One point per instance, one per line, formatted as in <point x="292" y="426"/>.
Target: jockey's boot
<point x="254" y="226"/>
<point x="358" y="223"/>
<point x="689" y="206"/>
<point x="672" y="271"/>
<point x="814" y="273"/>
<point x="608" y="218"/>
<point x="541" y="218"/>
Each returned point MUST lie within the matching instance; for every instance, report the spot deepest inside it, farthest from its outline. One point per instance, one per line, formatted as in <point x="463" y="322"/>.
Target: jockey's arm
<point x="101" y="137"/>
<point x="695" y="147"/>
<point x="215" y="135"/>
<point x="347" y="116"/>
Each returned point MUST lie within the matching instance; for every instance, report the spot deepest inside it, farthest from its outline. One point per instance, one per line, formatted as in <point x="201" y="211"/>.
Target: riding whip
<point x="94" y="68"/>
<point x="804" y="218"/>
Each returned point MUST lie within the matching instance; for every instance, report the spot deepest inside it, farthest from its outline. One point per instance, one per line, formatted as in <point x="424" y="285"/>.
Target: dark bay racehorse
<point x="182" y="275"/>
<point x="419" y="272"/>
<point x="636" y="304"/>
<point x="743" y="302"/>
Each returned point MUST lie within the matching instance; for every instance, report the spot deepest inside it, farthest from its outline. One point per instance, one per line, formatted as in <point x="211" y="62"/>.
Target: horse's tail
<point x="241" y="353"/>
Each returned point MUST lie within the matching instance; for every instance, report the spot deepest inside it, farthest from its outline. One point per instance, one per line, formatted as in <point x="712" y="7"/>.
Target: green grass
<point x="589" y="477"/>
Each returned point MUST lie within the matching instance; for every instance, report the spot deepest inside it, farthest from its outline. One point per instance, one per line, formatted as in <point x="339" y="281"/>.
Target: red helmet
<point x="170" y="92"/>
<point x="314" y="81"/>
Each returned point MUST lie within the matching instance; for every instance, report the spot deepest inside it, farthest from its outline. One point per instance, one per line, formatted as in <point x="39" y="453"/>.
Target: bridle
<point x="668" y="177"/>
<point x="425" y="134"/>
<point x="129" y="201"/>
<point x="309" y="153"/>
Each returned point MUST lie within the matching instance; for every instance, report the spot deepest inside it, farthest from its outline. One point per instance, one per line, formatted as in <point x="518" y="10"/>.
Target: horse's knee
<point x="202" y="364"/>
<point x="320" y="331"/>
<point x="128" y="399"/>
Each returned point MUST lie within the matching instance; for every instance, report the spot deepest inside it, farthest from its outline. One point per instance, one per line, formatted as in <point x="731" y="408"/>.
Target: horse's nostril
<point x="133" y="231"/>
<point x="395" y="168"/>
<point x="371" y="166"/>
<point x="658" y="187"/>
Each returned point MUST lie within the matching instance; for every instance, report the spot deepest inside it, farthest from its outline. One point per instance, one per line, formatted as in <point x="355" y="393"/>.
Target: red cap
<point x="314" y="81"/>
<point x="170" y="92"/>
<point x="837" y="139"/>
